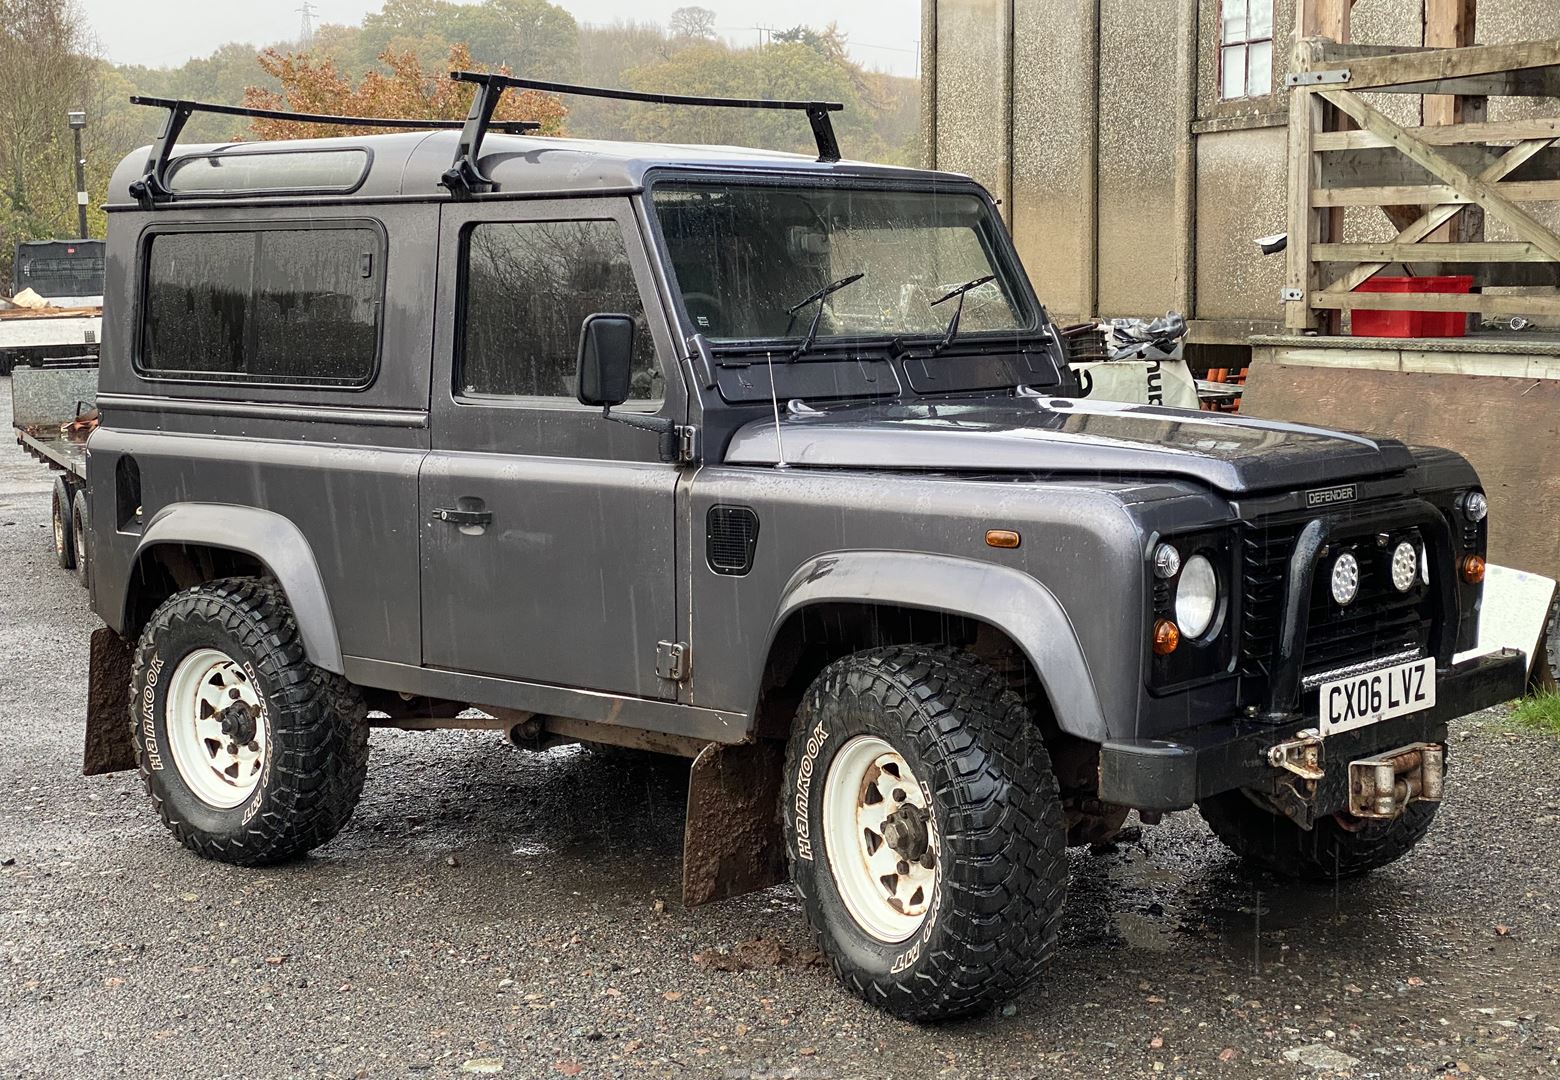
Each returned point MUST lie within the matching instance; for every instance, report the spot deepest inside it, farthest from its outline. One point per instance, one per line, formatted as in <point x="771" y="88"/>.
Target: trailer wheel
<point x="1336" y="848"/>
<point x="924" y="831"/>
<point x="251" y="754"/>
<point x="82" y="536"/>
<point x="64" y="536"/>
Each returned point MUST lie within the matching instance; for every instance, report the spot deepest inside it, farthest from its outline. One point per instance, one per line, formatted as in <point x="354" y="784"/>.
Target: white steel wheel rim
<point x="204" y="728"/>
<point x="872" y="802"/>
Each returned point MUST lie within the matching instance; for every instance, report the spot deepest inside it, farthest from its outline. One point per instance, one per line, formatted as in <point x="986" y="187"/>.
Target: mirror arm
<point x="669" y="443"/>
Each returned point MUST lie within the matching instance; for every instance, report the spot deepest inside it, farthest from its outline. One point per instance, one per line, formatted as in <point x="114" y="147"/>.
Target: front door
<point x="548" y="546"/>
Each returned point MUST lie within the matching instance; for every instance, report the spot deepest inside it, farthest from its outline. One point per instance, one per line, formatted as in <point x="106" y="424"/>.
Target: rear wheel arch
<point x="188" y="544"/>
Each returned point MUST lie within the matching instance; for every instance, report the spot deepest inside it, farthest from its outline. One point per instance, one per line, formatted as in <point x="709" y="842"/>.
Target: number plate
<point x="1378" y="695"/>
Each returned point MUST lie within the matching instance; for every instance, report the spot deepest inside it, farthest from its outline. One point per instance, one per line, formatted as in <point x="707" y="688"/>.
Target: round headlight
<point x="1345" y="579"/>
<point x="1167" y="561"/>
<point x="1475" y="506"/>
<point x="1405" y="566"/>
<point x="1196" y="597"/>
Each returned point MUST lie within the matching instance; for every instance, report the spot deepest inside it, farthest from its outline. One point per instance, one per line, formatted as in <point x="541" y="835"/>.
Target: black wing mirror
<point x="605" y="377"/>
<point x="606" y="362"/>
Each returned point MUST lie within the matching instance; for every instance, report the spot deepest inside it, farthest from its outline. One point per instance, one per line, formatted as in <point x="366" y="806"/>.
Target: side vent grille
<point x="731" y="539"/>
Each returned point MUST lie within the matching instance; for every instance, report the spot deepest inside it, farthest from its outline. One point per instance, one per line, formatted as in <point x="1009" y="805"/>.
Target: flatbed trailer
<point x="52" y="412"/>
<point x="44" y="335"/>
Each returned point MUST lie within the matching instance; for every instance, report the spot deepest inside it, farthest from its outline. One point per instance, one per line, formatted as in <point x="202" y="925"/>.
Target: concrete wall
<point x="1130" y="187"/>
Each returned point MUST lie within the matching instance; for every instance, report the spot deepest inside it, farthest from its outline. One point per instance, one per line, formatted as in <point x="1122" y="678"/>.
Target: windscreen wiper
<point x="953" y="324"/>
<point x="816" y="298"/>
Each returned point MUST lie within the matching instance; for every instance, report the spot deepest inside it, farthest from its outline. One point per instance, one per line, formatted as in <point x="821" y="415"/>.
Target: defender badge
<point x="1330" y="496"/>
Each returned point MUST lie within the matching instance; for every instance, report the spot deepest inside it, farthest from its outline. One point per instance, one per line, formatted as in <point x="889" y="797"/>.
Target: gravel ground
<point x="491" y="911"/>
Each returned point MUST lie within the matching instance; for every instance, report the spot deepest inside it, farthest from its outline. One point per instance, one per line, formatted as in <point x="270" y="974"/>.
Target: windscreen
<point x="745" y="254"/>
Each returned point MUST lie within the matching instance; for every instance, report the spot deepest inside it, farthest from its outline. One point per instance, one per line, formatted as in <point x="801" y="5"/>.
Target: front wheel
<point x="1334" y="848"/>
<point x="251" y="754"/>
<point x="924" y="831"/>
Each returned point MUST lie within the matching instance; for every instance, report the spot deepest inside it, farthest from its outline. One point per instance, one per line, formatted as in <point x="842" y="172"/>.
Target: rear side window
<point x="290" y="306"/>
<point x="528" y="287"/>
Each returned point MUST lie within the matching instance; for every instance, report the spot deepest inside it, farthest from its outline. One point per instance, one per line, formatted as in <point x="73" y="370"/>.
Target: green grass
<point x="1539" y="713"/>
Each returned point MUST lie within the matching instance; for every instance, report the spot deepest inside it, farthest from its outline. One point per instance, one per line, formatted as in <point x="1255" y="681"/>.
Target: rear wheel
<point x="1337" y="847"/>
<point x="924" y="831"/>
<point x="64" y="538"/>
<point x="251" y="754"/>
<point x="83" y="537"/>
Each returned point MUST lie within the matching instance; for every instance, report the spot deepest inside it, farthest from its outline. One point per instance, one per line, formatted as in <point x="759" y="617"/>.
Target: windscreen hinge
<point x="671" y="660"/>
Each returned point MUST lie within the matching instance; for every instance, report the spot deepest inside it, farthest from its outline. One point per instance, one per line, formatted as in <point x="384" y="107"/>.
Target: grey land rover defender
<point x="768" y="461"/>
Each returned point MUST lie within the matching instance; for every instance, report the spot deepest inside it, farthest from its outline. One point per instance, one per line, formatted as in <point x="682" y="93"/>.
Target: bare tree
<point x="693" y="22"/>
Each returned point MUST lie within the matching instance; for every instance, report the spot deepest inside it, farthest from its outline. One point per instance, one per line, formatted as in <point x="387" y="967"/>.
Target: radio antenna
<point x="774" y="400"/>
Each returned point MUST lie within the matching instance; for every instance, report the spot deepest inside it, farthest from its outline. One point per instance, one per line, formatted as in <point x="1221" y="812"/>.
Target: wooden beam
<point x="1371" y="72"/>
<point x="1440" y="215"/>
<point x="1419" y="253"/>
<point x="1469" y="302"/>
<point x="1476" y="190"/>
<point x="1426" y="194"/>
<point x="1481" y="133"/>
<point x="1530" y="82"/>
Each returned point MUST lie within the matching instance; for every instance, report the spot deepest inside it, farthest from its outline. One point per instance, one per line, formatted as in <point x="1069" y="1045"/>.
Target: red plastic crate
<point x="1412" y="323"/>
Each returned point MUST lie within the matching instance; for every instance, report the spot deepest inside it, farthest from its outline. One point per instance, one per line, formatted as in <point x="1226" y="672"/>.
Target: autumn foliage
<point x="403" y="89"/>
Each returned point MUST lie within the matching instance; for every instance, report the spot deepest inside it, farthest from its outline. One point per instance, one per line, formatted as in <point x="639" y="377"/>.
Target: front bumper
<point x="1174" y="772"/>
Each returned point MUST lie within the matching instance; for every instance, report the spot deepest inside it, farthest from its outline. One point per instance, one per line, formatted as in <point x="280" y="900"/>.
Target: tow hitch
<point x="1382" y="787"/>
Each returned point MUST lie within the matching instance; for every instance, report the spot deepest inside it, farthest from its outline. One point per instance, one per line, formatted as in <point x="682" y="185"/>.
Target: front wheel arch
<point x="937" y="598"/>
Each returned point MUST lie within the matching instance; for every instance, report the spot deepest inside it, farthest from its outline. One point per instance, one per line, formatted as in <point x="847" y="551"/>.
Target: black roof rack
<point x="154" y="186"/>
<point x="465" y="178"/>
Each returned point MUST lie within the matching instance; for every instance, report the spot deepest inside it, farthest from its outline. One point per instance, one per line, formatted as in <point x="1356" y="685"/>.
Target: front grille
<point x="1380" y="622"/>
<point x="1265" y="552"/>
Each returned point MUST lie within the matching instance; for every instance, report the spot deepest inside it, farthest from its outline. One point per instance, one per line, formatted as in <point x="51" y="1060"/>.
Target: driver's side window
<point x="528" y="286"/>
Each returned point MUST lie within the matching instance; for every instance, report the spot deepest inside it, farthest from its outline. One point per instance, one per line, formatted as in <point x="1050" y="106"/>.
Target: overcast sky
<point x="883" y="33"/>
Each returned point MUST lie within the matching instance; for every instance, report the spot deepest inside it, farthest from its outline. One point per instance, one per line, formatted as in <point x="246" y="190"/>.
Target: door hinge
<point x="671" y="660"/>
<point x="687" y="442"/>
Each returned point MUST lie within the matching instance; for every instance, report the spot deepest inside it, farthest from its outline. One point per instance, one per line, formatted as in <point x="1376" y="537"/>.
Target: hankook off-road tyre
<point x="82" y="536"/>
<point x="1331" y="851"/>
<point x="64" y="538"/>
<point x="924" y="831"/>
<point x="251" y="754"/>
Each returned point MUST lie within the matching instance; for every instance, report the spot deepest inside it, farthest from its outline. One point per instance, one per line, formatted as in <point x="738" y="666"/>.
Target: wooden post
<point x="1450" y="24"/>
<point x="1306" y="224"/>
<point x="1328" y="19"/>
<point x="1323" y="18"/>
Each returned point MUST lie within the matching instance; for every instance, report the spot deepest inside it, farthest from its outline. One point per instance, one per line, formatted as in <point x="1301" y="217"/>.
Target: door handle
<point x="463" y="518"/>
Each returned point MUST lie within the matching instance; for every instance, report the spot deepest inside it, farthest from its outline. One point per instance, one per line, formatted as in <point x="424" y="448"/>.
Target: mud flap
<point x="108" y="747"/>
<point x="733" y="844"/>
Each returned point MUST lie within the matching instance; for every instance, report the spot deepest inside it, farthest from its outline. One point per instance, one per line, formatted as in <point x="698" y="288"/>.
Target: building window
<point x="1246" y="49"/>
